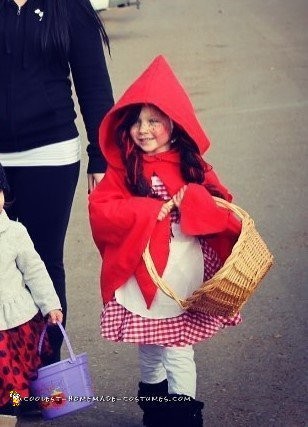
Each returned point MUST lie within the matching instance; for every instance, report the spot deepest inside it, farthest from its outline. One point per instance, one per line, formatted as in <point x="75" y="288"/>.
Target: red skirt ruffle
<point x="19" y="358"/>
<point x="119" y="324"/>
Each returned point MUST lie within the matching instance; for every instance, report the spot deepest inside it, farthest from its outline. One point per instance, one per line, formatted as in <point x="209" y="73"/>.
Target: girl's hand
<point x="165" y="210"/>
<point x="93" y="180"/>
<point x="55" y="316"/>
<point x="178" y="197"/>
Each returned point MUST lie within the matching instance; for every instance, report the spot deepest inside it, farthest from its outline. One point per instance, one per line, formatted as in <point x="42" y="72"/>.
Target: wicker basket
<point x="228" y="290"/>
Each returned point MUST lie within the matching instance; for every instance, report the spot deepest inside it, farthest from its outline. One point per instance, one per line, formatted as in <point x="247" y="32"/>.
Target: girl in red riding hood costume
<point x="153" y="143"/>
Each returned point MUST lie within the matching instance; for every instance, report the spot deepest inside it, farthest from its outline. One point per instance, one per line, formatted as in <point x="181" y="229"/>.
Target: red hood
<point x="157" y="85"/>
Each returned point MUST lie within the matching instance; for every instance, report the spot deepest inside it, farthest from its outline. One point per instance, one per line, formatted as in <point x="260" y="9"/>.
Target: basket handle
<point x="68" y="344"/>
<point x="159" y="281"/>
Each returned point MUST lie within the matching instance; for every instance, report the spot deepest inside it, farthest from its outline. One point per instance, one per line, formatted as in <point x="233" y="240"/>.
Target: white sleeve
<point x="35" y="274"/>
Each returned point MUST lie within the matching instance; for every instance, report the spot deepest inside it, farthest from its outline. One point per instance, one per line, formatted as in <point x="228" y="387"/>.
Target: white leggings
<point x="174" y="363"/>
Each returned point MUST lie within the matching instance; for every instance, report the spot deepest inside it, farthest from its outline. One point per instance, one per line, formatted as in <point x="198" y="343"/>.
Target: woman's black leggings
<point x="42" y="198"/>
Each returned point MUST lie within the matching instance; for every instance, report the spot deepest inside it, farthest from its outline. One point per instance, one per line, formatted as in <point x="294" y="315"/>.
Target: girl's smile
<point x="152" y="130"/>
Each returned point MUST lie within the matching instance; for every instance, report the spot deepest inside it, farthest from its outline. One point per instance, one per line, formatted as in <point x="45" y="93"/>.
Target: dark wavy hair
<point x="4" y="186"/>
<point x="55" y="31"/>
<point x="192" y="166"/>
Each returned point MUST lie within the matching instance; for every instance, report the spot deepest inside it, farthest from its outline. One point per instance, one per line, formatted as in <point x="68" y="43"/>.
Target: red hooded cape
<point x="121" y="223"/>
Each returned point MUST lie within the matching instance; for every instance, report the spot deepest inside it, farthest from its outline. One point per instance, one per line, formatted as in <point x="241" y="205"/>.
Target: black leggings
<point x="42" y="198"/>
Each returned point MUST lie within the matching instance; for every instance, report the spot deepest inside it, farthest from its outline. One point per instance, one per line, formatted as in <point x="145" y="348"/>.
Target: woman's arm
<point x="91" y="78"/>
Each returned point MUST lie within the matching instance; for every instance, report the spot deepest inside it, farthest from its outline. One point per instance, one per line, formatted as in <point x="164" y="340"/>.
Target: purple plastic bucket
<point x="65" y="386"/>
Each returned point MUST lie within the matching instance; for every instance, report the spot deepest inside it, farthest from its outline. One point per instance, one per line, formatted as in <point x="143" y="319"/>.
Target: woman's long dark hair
<point x="193" y="167"/>
<point x="56" y="28"/>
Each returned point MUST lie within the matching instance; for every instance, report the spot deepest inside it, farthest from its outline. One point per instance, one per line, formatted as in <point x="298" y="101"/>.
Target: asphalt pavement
<point x="244" y="64"/>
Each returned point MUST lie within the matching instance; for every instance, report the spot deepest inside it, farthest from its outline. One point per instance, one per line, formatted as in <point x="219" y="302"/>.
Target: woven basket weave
<point x="231" y="286"/>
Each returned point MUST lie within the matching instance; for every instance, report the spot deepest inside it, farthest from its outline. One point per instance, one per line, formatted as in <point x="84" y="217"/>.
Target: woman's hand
<point x="55" y="316"/>
<point x="178" y="197"/>
<point x="93" y="180"/>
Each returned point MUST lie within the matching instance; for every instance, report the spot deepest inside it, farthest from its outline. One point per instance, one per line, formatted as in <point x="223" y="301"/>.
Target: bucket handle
<point x="68" y="344"/>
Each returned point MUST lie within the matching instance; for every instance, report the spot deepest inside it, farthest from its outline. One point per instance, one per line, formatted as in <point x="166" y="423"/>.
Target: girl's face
<point x="1" y="200"/>
<point x="152" y="131"/>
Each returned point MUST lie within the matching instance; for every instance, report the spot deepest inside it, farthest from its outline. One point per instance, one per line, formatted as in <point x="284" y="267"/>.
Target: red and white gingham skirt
<point x="119" y="324"/>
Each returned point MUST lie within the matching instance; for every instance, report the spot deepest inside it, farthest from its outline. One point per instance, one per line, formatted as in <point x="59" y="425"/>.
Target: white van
<point x="100" y="4"/>
<point x="106" y="4"/>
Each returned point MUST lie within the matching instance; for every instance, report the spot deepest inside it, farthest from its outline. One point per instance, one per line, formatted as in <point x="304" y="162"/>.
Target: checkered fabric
<point x="119" y="324"/>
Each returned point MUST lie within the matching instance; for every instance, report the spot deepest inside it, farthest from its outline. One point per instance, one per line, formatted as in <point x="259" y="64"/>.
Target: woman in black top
<point x="42" y="44"/>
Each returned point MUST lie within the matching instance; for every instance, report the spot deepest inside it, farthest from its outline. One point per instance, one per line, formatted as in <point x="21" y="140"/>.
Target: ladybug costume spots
<point x="19" y="358"/>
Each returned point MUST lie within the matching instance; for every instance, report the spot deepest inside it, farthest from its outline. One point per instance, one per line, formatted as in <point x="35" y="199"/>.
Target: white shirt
<point x="58" y="154"/>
